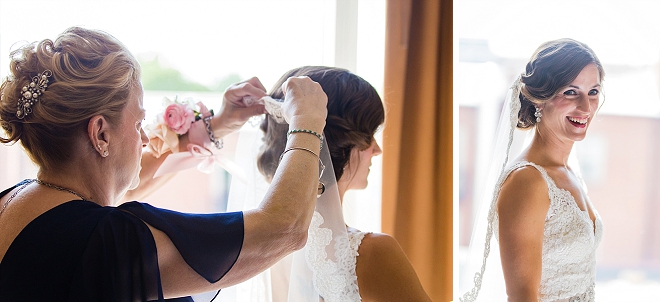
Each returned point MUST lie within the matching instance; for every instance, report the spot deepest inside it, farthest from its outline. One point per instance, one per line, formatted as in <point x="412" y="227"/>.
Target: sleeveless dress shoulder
<point x="334" y="276"/>
<point x="354" y="240"/>
<point x="570" y="239"/>
<point x="81" y="251"/>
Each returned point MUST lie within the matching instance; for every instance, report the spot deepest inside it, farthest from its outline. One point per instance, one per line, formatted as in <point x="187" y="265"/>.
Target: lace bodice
<point x="334" y="280"/>
<point x="569" y="244"/>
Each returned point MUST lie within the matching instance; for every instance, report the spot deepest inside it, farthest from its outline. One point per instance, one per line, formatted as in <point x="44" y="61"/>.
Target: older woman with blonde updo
<point x="75" y="105"/>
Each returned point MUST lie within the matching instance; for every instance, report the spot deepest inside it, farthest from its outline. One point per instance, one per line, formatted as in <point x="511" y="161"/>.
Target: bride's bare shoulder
<point x="384" y="272"/>
<point x="523" y="181"/>
<point x="523" y="194"/>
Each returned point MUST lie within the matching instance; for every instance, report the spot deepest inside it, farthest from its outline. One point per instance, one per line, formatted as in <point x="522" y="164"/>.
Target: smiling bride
<point x="545" y="225"/>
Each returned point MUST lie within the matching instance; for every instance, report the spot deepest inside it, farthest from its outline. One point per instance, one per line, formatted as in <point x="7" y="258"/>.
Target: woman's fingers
<point x="303" y="98"/>
<point x="251" y="88"/>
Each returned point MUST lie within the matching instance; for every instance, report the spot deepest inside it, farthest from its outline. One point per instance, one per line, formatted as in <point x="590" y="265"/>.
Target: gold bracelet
<point x="321" y="187"/>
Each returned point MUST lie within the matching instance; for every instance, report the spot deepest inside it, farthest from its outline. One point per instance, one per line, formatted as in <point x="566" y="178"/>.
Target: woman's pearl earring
<point x="538" y="114"/>
<point x="104" y="152"/>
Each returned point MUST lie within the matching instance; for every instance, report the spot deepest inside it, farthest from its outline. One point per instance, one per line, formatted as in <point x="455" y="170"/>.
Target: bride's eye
<point x="570" y="92"/>
<point x="594" y="92"/>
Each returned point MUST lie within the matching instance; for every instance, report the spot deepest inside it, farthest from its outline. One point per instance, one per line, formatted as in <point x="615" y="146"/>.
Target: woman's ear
<point x="97" y="130"/>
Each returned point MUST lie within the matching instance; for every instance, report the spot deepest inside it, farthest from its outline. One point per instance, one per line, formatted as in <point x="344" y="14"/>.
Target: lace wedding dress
<point x="324" y="269"/>
<point x="334" y="280"/>
<point x="570" y="239"/>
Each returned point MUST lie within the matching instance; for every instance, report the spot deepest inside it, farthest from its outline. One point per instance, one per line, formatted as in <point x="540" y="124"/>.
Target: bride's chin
<point x="581" y="136"/>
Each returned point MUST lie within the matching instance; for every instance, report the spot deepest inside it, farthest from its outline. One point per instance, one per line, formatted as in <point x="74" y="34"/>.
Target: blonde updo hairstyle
<point x="355" y="112"/>
<point x="554" y="65"/>
<point x="92" y="74"/>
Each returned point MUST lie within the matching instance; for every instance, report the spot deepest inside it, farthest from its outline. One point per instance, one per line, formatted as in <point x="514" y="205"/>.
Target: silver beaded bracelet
<point x="217" y="143"/>
<point x="292" y="131"/>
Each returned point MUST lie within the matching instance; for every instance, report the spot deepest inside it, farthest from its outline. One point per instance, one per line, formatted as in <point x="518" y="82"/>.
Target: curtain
<point x="418" y="136"/>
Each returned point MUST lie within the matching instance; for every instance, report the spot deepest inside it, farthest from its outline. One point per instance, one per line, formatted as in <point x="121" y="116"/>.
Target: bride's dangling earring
<point x="538" y="114"/>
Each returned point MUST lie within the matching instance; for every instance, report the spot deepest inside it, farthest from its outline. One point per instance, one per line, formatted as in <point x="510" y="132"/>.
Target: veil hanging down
<point x="321" y="271"/>
<point x="483" y="277"/>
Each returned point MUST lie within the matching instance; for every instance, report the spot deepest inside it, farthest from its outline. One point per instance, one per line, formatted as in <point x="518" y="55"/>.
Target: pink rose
<point x="178" y="117"/>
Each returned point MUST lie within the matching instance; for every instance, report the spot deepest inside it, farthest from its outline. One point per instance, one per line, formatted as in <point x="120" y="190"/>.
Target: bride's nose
<point x="584" y="104"/>
<point x="377" y="150"/>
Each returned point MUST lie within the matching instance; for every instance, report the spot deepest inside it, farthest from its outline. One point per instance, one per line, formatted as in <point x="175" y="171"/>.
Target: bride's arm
<point x="384" y="273"/>
<point x="522" y="206"/>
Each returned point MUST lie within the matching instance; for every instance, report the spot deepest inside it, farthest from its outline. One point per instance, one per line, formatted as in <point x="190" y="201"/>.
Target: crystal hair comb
<point x="31" y="92"/>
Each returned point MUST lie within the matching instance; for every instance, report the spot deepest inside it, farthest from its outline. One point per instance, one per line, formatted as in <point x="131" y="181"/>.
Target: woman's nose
<point x="145" y="139"/>
<point x="584" y="104"/>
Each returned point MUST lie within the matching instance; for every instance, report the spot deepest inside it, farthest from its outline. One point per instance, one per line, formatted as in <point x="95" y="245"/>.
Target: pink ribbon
<point x="202" y="158"/>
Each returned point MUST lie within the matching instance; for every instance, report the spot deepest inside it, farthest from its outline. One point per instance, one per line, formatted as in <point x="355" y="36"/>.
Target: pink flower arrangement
<point x="176" y="120"/>
<point x="179" y="117"/>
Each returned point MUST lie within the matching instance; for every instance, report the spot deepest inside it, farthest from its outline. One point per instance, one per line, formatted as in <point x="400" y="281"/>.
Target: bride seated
<point x="349" y="264"/>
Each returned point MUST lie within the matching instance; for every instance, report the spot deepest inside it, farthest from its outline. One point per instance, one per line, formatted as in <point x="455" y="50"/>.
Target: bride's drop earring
<point x="538" y="114"/>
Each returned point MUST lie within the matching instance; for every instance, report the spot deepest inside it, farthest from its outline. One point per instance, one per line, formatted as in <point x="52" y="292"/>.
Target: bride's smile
<point x="579" y="122"/>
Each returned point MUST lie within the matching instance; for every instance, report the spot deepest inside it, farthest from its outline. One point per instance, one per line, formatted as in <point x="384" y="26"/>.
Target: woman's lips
<point x="579" y="122"/>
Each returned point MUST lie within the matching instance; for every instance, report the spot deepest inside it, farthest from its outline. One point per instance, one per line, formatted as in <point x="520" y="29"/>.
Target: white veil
<point x="483" y="277"/>
<point x="484" y="280"/>
<point x="319" y="269"/>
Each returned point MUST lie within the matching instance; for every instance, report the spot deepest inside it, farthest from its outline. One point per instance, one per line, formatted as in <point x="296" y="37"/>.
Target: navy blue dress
<point x="81" y="251"/>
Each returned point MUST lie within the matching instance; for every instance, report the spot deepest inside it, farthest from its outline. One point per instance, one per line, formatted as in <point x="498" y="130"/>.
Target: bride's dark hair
<point x="355" y="111"/>
<point x="554" y="65"/>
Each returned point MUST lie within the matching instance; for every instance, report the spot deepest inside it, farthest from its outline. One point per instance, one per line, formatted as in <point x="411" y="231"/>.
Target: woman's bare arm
<point x="232" y="116"/>
<point x="150" y="164"/>
<point x="279" y="225"/>
<point x="275" y="229"/>
<point x="522" y="207"/>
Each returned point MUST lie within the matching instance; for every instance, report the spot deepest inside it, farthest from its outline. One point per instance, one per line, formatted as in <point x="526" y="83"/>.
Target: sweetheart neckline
<point x="593" y="223"/>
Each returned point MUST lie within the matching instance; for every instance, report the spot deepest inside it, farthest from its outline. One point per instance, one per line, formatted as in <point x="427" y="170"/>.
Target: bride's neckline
<point x="573" y="201"/>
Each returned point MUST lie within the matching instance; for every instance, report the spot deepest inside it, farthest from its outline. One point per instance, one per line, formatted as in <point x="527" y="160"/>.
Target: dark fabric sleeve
<point x="120" y="262"/>
<point x="209" y="243"/>
<point x="80" y="251"/>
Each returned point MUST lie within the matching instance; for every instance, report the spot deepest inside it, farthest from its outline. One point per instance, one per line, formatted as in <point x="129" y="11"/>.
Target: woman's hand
<point x="279" y="225"/>
<point x="234" y="111"/>
<point x="305" y="104"/>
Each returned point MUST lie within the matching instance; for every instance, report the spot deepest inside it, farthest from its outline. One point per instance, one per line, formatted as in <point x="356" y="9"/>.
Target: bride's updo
<point x="91" y="73"/>
<point x="355" y="111"/>
<point x="554" y="65"/>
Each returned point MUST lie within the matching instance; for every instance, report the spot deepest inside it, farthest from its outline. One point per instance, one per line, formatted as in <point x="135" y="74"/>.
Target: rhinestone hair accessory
<point x="31" y="92"/>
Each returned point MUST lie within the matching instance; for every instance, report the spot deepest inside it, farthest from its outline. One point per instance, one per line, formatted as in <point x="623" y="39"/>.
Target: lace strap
<point x="355" y="239"/>
<point x="544" y="173"/>
<point x="552" y="187"/>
